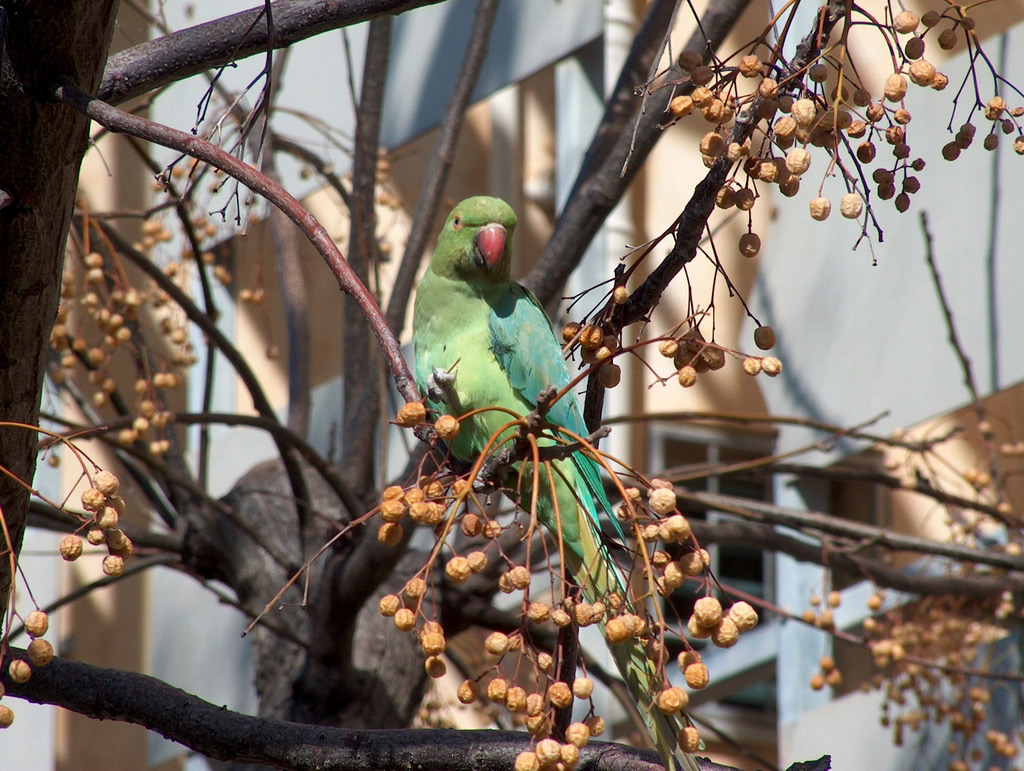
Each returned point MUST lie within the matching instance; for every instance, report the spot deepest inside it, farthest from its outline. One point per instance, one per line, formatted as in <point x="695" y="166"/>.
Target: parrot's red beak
<point x="490" y="245"/>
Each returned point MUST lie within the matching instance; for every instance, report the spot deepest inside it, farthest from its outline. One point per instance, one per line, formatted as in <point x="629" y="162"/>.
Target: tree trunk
<point x="40" y="155"/>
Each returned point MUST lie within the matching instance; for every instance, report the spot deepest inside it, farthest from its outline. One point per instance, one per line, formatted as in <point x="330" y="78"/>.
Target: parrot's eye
<point x="456" y="223"/>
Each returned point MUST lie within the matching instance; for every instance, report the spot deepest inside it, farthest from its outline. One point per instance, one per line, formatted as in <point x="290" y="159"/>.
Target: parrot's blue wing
<point x="526" y="349"/>
<point x="528" y="352"/>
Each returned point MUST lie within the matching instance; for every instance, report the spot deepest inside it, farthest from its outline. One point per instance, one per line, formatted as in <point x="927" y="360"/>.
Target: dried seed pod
<point x="922" y="72"/>
<point x="19" y="671"/>
<point x="725" y="634"/>
<point x="497" y="643"/>
<point x="497" y="690"/>
<point x="591" y="338"/>
<point x="752" y="365"/>
<point x="745" y="199"/>
<point x="820" y="208"/>
<point x="389" y="604"/>
<point x="668" y="348"/>
<point x="692" y="564"/>
<point x="818" y="72"/>
<point x="785" y="127"/>
<point x="687" y="376"/>
<point x="447" y="427"/>
<point x="609" y="375"/>
<point x="750" y="66"/>
<point x="914" y="48"/>
<point x="515" y="700"/>
<point x="538" y="612"/>
<point x="548" y="751"/>
<point x="596" y="724"/>
<point x="895" y="87"/>
<point x="390" y="511"/>
<point x="712" y="144"/>
<point x="560" y="695"/>
<point x="663" y="501"/>
<point x="764" y="337"/>
<point x="689" y="739"/>
<point x="743" y="615"/>
<point x="851" y="205"/>
<point x="458" y="569"/>
<point x="702" y="97"/>
<point x="689" y="60"/>
<point x="468" y="691"/>
<point x="471" y="525"/>
<point x="804" y="112"/>
<point x="616" y="631"/>
<point x="6" y="716"/>
<point x="707" y="611"/>
<point x="411" y="414"/>
<point x="672" y="700"/>
<point x="750" y="244"/>
<point x="798" y="161"/>
<point x="477" y="561"/>
<point x="93" y="500"/>
<point x="390" y="534"/>
<point x="432" y="643"/>
<point x="675" y="529"/>
<point x="577" y="734"/>
<point x="995" y="107"/>
<point x="571" y="330"/>
<point x="702" y="75"/>
<point x="582" y="687"/>
<point x="106" y="482"/>
<point x="561" y="617"/>
<point x="771" y="366"/>
<point x="768" y="88"/>
<point x="534" y="704"/>
<point x="36" y="623"/>
<point x="697" y="675"/>
<point x="113" y="565"/>
<point x="70" y="548"/>
<point x="681" y="106"/>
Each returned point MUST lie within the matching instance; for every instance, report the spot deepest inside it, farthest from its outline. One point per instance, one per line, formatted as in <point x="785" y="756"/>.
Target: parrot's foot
<point x="441" y="387"/>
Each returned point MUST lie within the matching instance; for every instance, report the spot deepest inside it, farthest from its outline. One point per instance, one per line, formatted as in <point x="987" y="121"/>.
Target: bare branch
<point x="221" y="734"/>
<point x="760" y="511"/>
<point x="121" y="122"/>
<point x="360" y="367"/>
<point x="149" y="65"/>
<point x="600" y="184"/>
<point x="843" y="557"/>
<point x="440" y="164"/>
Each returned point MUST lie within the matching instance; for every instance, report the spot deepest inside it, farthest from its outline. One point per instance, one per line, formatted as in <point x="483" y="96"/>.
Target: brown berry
<point x="750" y="244"/>
<point x="19" y="671"/>
<point x="40" y="652"/>
<point x="411" y="414"/>
<point x="764" y="337"/>
<point x="447" y="427"/>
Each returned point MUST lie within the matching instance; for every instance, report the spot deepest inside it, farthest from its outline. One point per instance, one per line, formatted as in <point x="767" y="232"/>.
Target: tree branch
<point x="601" y="183"/>
<point x="218" y="733"/>
<point x="440" y="164"/>
<point x="760" y="511"/>
<point x="141" y="68"/>
<point x="119" y="121"/>
<point x="843" y="558"/>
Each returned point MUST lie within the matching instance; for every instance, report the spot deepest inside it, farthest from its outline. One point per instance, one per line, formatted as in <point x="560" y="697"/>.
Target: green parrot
<point x="481" y="341"/>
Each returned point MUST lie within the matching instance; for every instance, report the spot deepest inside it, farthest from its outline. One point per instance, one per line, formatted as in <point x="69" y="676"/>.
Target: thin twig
<point x="440" y="164"/>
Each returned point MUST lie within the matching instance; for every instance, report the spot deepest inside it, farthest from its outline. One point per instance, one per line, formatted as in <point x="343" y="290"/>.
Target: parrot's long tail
<point x="598" y="576"/>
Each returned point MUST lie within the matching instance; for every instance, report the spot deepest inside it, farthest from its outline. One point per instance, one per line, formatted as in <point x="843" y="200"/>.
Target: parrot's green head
<point x="475" y="242"/>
